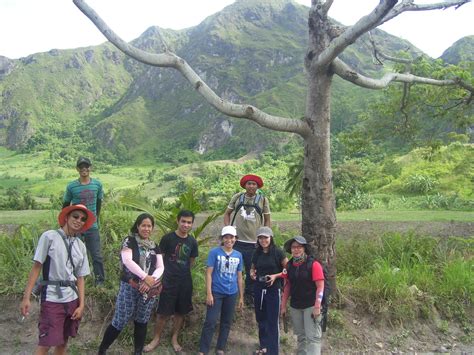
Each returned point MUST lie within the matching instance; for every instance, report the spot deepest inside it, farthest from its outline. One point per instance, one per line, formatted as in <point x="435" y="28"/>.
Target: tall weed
<point x="16" y="254"/>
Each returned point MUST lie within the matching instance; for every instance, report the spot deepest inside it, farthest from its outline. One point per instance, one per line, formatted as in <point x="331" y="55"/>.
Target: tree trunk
<point x="318" y="203"/>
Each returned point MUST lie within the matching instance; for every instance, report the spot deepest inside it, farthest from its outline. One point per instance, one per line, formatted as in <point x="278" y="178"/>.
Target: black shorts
<point x="176" y="297"/>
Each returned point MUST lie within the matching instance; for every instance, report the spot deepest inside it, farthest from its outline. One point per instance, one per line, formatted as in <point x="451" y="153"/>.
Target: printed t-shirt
<point x="225" y="268"/>
<point x="247" y="220"/>
<point x="176" y="253"/>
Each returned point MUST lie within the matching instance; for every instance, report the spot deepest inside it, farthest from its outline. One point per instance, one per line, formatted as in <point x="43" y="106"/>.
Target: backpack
<point x="44" y="279"/>
<point x="240" y="204"/>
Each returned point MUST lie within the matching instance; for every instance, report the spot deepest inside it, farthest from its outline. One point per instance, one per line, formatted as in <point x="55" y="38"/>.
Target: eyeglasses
<point x="78" y="216"/>
<point x="297" y="247"/>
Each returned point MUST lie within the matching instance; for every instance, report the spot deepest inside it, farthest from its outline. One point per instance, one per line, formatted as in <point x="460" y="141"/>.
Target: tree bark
<point x="318" y="202"/>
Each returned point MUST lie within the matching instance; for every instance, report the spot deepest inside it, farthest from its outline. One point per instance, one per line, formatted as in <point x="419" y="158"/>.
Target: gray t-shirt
<point x="52" y="245"/>
<point x="247" y="219"/>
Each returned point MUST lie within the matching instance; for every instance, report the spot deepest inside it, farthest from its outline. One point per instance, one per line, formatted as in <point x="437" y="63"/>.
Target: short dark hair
<point x="185" y="213"/>
<point x="139" y="221"/>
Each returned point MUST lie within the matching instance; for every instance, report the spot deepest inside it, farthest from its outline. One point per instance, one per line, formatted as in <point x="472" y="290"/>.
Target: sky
<point x="32" y="26"/>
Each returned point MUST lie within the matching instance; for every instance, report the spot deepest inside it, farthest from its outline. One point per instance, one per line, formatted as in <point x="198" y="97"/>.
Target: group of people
<point x="158" y="276"/>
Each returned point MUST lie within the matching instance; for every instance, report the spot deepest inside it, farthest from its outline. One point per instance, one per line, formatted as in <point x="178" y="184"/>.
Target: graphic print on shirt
<point x="87" y="197"/>
<point x="181" y="254"/>
<point x="248" y="213"/>
<point x="227" y="264"/>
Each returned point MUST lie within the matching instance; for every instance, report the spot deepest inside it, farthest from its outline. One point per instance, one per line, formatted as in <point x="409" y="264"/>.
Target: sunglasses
<point x="227" y="261"/>
<point x="78" y="216"/>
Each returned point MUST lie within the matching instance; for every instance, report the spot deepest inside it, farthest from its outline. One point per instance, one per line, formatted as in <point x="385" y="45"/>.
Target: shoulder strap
<point x="237" y="206"/>
<point x="255" y="205"/>
<point x="68" y="249"/>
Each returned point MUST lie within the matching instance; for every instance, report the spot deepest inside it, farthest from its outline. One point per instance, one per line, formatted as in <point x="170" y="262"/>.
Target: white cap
<point x="229" y="230"/>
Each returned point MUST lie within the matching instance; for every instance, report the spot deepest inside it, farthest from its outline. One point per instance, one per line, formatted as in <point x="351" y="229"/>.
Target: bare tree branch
<point x="353" y="32"/>
<point x="171" y="60"/>
<point x="327" y="5"/>
<point x="349" y="74"/>
<point x="378" y="53"/>
<point x="409" y="5"/>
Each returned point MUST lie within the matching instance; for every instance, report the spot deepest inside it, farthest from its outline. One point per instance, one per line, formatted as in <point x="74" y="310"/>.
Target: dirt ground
<point x="355" y="333"/>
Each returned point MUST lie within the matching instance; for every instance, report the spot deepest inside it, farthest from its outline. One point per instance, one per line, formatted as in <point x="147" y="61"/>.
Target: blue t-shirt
<point x="224" y="274"/>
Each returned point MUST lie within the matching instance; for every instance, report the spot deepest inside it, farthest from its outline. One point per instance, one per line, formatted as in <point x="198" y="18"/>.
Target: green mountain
<point x="97" y="100"/>
<point x="461" y="51"/>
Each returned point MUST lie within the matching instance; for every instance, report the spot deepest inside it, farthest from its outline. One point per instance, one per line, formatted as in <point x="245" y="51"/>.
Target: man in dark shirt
<point x="179" y="251"/>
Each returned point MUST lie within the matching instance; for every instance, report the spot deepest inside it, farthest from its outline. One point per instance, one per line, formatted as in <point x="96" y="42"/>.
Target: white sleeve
<point x="127" y="260"/>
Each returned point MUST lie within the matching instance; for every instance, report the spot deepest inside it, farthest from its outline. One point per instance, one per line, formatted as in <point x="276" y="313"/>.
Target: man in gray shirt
<point x="62" y="258"/>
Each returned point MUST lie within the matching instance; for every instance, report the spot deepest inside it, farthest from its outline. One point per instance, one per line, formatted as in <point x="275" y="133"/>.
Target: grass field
<point x="389" y="216"/>
<point x="36" y="216"/>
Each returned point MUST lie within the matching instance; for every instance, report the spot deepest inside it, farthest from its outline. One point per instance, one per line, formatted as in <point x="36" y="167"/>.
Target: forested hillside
<point x="97" y="101"/>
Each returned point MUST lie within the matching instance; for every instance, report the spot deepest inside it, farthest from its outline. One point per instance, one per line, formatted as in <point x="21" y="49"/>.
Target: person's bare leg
<point x="160" y="325"/>
<point x="178" y="320"/>
<point x="41" y="350"/>
<point x="60" y="349"/>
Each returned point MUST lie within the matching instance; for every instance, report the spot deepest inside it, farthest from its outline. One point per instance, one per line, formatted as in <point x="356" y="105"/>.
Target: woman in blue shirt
<point x="223" y="283"/>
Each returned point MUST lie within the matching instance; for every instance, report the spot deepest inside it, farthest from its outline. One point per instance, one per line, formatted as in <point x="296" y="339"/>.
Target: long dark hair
<point x="139" y="221"/>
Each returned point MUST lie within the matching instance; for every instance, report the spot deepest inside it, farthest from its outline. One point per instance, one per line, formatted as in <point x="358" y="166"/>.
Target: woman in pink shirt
<point x="142" y="268"/>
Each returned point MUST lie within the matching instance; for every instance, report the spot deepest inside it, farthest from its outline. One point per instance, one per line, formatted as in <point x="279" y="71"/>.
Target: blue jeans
<point x="247" y="250"/>
<point x="267" y="312"/>
<point x="92" y="240"/>
<point x="225" y="306"/>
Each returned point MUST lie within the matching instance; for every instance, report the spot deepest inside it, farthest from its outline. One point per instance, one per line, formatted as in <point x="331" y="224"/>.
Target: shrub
<point x="420" y="184"/>
<point x="440" y="201"/>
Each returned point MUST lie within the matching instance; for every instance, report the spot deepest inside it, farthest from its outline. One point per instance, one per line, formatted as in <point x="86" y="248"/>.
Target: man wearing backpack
<point x="248" y="211"/>
<point x="61" y="258"/>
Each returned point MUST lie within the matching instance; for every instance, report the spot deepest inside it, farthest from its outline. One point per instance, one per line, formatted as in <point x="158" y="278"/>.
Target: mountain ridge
<point x="108" y="104"/>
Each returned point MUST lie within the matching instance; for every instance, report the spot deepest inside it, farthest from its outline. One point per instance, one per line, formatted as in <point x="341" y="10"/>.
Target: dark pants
<point x="267" y="311"/>
<point x="92" y="240"/>
<point x="247" y="250"/>
<point x="224" y="305"/>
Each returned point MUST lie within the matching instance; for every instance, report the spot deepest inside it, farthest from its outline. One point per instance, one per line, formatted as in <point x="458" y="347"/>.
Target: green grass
<point x="30" y="172"/>
<point x="35" y="216"/>
<point x="388" y="216"/>
<point x="27" y="216"/>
